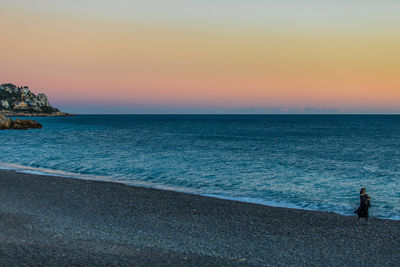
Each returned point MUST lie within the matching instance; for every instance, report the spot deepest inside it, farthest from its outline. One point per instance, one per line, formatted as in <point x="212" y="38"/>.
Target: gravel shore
<point x="61" y="221"/>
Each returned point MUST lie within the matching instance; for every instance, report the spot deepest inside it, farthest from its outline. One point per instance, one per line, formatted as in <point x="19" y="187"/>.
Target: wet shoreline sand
<point x="46" y="220"/>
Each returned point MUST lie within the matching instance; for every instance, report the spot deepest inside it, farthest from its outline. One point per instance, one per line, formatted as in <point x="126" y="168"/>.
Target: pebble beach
<point x="48" y="220"/>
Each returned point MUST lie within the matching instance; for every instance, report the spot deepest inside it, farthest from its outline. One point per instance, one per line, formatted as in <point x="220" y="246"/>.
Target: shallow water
<point x="299" y="161"/>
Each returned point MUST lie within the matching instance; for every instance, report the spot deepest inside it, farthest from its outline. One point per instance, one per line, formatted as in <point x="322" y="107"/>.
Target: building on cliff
<point x="22" y="104"/>
<point x="21" y="100"/>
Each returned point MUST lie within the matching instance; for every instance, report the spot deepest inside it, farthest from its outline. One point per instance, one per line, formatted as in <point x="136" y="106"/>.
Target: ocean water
<point x="315" y="162"/>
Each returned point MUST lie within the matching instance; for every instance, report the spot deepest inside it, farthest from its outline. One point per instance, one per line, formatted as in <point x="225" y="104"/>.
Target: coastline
<point x="22" y="114"/>
<point x="56" y="220"/>
<point x="279" y="204"/>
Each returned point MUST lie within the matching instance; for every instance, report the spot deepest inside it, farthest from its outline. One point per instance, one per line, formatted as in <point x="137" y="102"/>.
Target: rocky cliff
<point x="20" y="101"/>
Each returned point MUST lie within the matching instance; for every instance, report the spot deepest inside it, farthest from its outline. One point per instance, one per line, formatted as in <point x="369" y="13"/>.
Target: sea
<point x="311" y="162"/>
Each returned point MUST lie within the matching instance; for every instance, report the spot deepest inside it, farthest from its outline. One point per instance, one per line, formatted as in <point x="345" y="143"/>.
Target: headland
<point x="20" y="101"/>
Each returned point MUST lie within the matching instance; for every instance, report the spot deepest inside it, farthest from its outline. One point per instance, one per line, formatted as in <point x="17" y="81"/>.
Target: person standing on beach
<point x="362" y="210"/>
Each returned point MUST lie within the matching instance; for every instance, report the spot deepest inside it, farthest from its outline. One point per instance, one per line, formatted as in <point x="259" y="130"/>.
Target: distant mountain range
<point x="20" y="101"/>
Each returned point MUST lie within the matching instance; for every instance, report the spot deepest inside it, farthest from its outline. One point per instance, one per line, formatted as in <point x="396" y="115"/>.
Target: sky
<point x="220" y="56"/>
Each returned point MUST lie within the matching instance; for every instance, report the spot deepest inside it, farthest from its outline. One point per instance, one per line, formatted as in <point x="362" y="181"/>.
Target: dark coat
<point x="362" y="210"/>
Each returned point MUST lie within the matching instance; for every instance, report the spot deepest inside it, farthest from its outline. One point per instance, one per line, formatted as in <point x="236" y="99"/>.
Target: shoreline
<point x="54" y="173"/>
<point x="55" y="220"/>
<point x="22" y="114"/>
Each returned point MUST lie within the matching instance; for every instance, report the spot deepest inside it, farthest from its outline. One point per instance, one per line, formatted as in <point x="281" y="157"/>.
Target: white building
<point x="5" y="104"/>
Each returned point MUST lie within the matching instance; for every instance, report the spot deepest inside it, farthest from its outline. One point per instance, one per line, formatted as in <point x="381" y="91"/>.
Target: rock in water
<point x="25" y="124"/>
<point x="6" y="123"/>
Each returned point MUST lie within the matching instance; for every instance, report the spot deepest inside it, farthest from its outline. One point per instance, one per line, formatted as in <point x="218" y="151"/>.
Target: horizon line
<point x="241" y="114"/>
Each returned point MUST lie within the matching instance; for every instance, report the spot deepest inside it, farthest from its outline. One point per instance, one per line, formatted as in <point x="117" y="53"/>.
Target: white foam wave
<point x="271" y="203"/>
<point x="49" y="172"/>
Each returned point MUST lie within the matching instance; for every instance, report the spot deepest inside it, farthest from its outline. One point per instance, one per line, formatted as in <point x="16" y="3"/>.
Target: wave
<point x="271" y="203"/>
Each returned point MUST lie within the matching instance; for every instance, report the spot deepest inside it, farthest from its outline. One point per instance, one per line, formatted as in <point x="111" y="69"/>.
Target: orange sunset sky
<point x="204" y="56"/>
